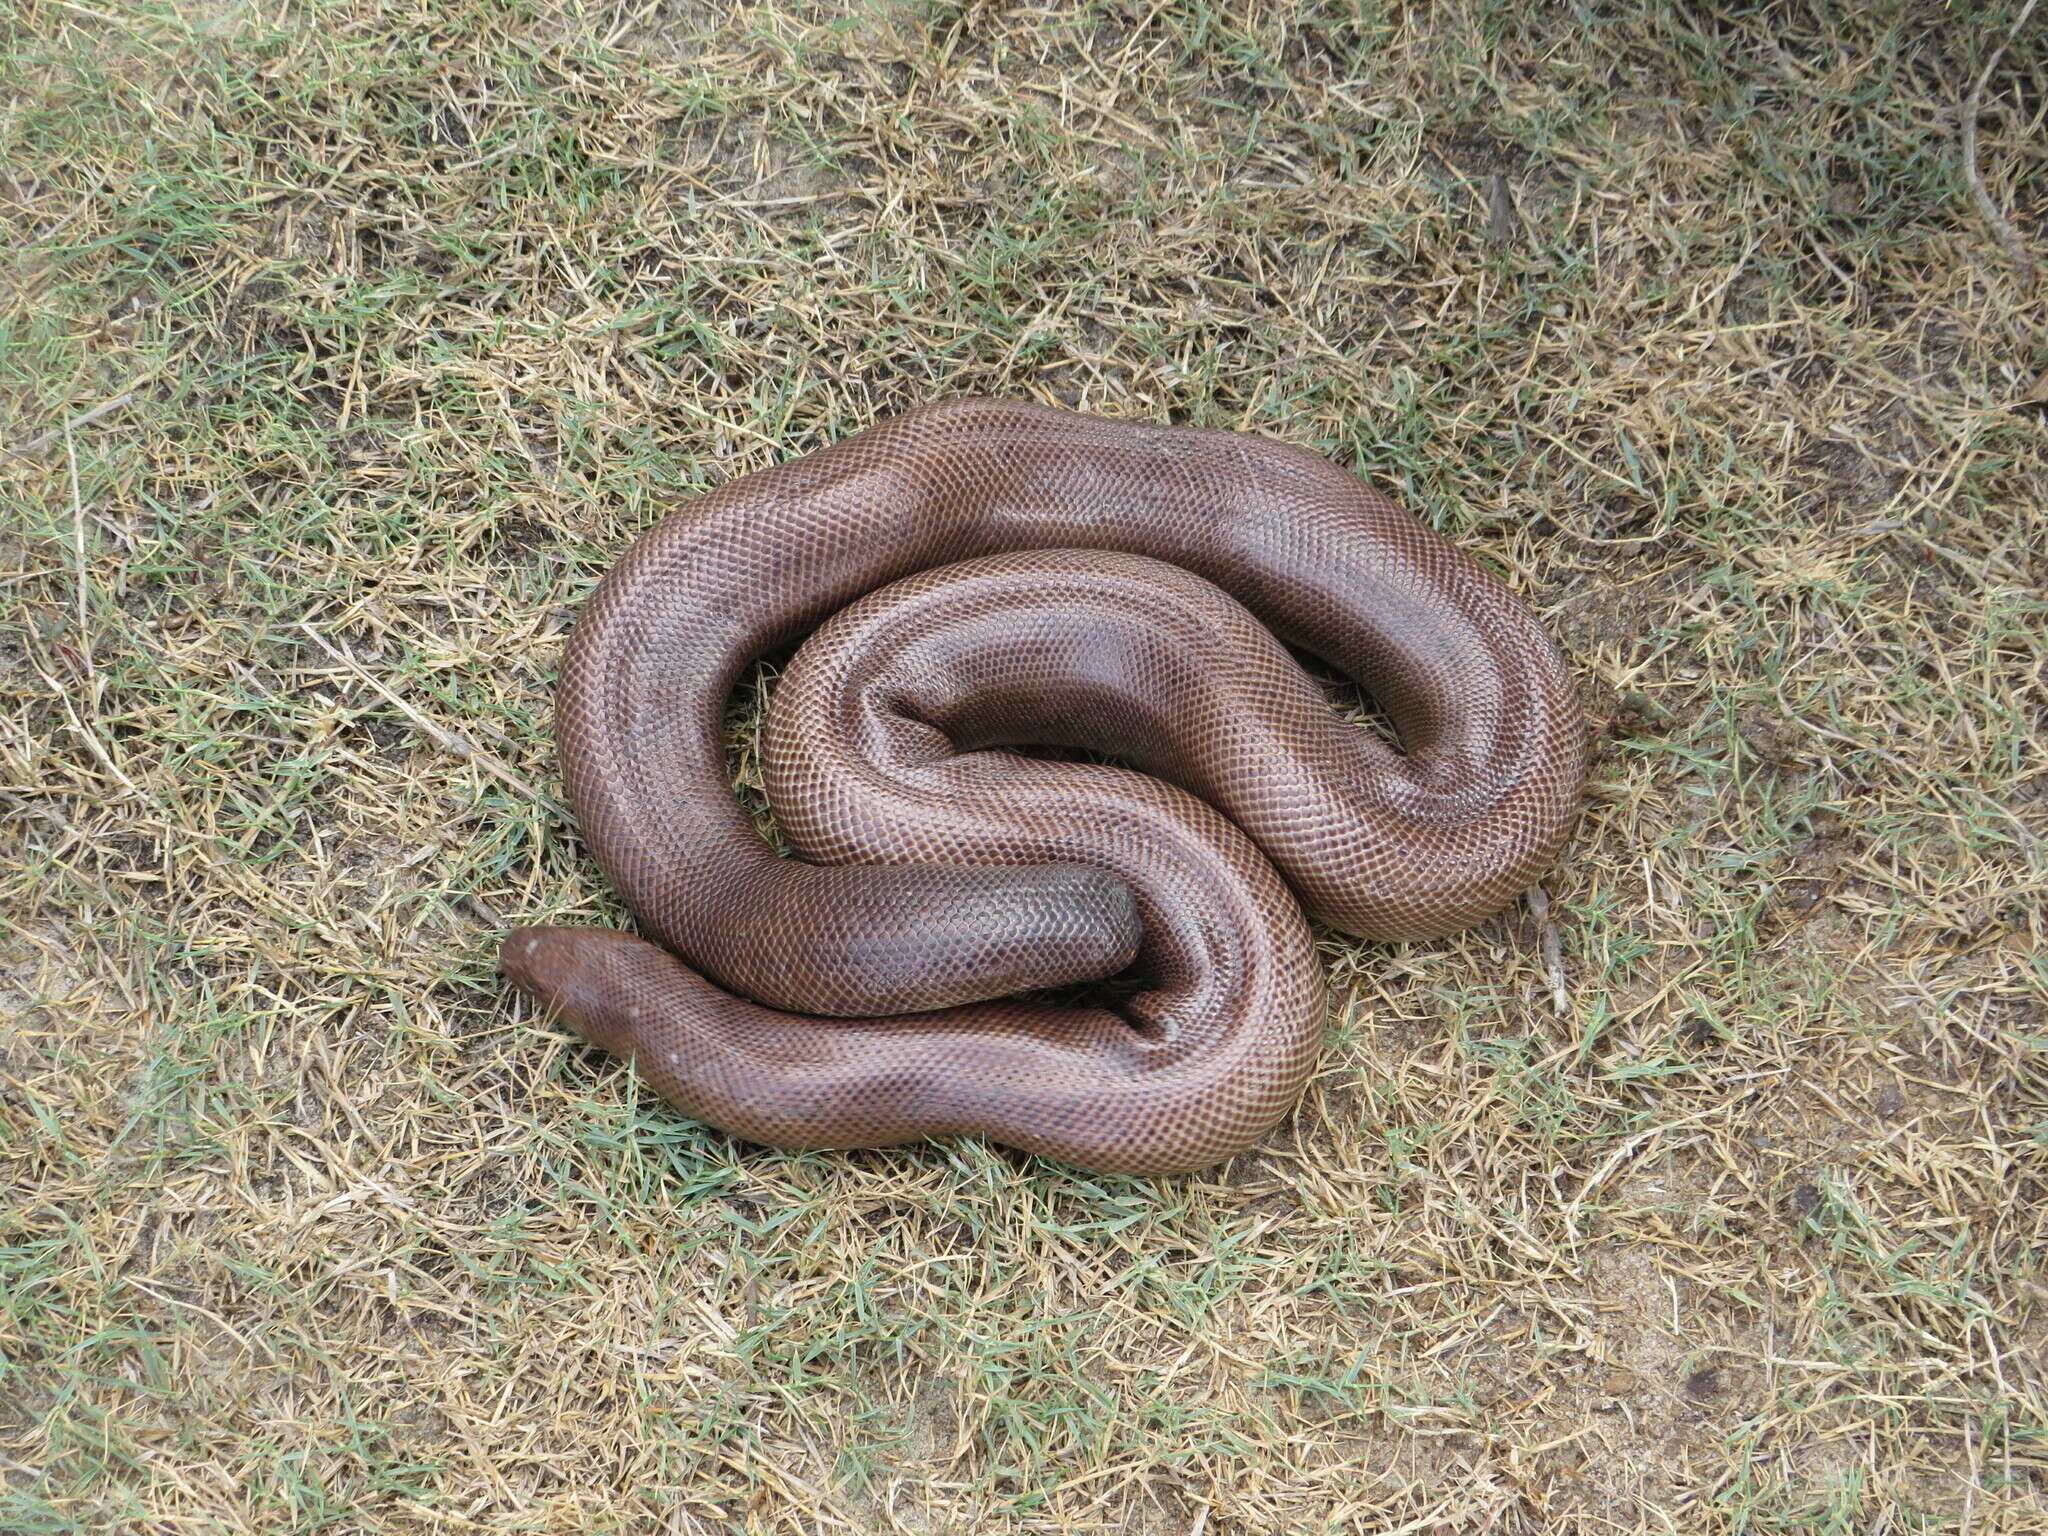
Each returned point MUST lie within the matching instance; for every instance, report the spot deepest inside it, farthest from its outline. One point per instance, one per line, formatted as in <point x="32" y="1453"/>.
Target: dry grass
<point x="381" y="327"/>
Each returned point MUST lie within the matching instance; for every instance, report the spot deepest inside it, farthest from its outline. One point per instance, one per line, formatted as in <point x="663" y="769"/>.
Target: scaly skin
<point x="942" y="872"/>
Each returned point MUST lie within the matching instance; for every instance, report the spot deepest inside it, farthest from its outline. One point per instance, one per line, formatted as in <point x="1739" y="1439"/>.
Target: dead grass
<point x="410" y="314"/>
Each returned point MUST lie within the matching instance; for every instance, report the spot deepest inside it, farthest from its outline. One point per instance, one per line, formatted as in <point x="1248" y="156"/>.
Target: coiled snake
<point x="1051" y="585"/>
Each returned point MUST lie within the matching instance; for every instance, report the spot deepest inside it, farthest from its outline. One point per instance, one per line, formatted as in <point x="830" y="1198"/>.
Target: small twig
<point x="93" y="743"/>
<point x="29" y="807"/>
<point x="2007" y="236"/>
<point x="78" y="545"/>
<point x="1842" y="277"/>
<point x="440" y="735"/>
<point x="1500" y="212"/>
<point x="1627" y="1150"/>
<point x="1552" y="947"/>
<point x="1842" y="736"/>
<point x="65" y="428"/>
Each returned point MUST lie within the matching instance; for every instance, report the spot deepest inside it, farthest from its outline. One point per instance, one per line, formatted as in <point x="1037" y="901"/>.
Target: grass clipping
<point x="342" y="346"/>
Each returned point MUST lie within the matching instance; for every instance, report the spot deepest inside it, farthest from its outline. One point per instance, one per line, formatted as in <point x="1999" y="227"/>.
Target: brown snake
<point x="1052" y="586"/>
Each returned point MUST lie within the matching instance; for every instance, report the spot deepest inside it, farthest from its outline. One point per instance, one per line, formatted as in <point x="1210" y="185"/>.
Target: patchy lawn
<point x="343" y="345"/>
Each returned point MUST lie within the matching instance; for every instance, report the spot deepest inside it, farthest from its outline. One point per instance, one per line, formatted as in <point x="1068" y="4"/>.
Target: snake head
<point x="565" y="970"/>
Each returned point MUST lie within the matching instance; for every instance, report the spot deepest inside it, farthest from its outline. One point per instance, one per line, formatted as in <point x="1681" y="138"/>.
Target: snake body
<point x="1023" y="575"/>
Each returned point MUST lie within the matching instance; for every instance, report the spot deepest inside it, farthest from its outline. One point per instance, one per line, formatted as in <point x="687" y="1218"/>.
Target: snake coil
<point x="1023" y="575"/>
